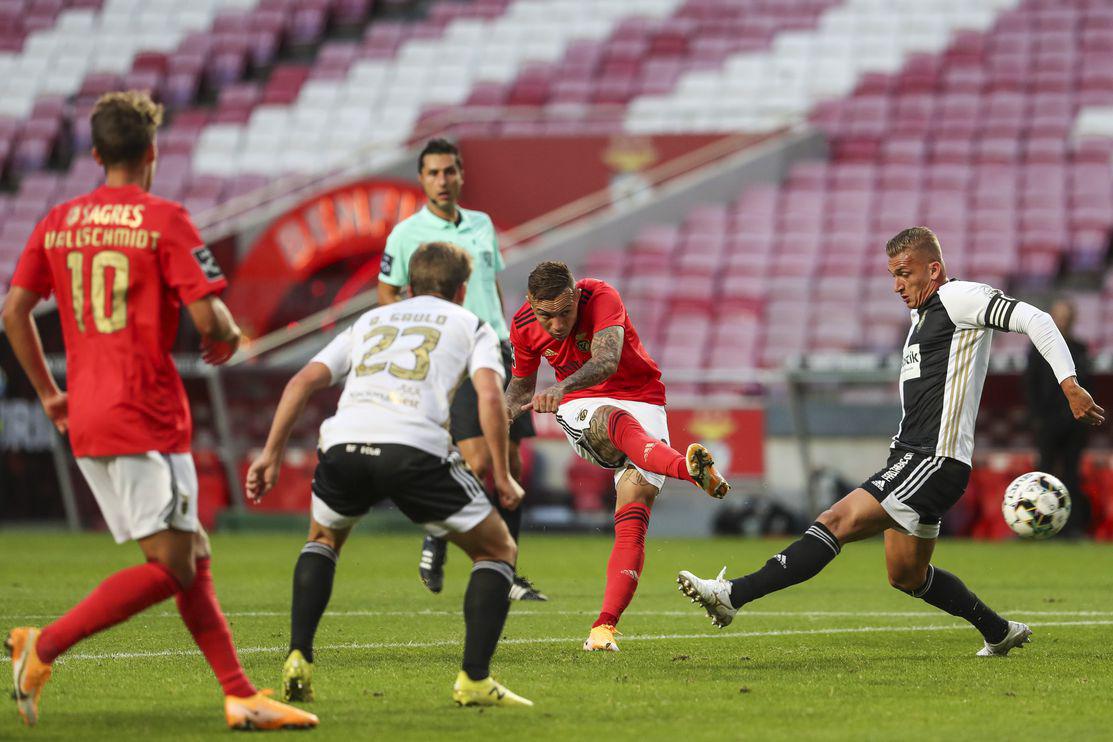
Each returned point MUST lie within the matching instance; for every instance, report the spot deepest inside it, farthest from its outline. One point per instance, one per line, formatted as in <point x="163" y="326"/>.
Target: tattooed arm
<point x="518" y="394"/>
<point x="606" y="350"/>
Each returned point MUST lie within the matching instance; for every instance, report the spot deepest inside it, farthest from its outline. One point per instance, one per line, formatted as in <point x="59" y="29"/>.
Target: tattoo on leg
<point x="597" y="437"/>
<point x="633" y="476"/>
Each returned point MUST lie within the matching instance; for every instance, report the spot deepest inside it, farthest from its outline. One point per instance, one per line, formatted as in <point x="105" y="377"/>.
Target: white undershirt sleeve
<point x="976" y="305"/>
<point x="1041" y="330"/>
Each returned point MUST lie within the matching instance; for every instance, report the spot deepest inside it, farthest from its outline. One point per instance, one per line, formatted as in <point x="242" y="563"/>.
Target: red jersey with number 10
<point x="637" y="378"/>
<point x="121" y="263"/>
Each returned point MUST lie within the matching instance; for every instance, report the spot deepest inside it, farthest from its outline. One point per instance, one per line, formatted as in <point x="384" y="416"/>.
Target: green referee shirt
<point x="476" y="234"/>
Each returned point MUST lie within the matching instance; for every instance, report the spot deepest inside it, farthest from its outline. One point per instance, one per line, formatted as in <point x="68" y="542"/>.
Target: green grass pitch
<point x="842" y="657"/>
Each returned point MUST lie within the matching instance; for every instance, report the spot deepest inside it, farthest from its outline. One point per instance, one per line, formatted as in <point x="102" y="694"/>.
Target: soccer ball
<point x="1036" y="505"/>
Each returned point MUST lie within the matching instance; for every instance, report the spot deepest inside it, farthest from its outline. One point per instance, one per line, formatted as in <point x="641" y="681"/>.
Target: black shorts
<point x="464" y="413"/>
<point x="916" y="489"/>
<point x="439" y="493"/>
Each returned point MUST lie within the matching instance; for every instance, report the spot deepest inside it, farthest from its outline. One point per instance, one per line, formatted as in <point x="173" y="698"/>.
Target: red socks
<point x="644" y="450"/>
<point x="137" y="588"/>
<point x="627" y="557"/>
<point x="202" y="616"/>
<point x="117" y="599"/>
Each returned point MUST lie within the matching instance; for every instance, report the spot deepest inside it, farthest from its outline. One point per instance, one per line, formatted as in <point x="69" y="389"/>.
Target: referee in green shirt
<point x="441" y="174"/>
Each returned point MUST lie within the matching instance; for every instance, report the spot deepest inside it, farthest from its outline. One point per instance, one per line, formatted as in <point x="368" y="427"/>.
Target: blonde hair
<point x="439" y="268"/>
<point x="915" y="238"/>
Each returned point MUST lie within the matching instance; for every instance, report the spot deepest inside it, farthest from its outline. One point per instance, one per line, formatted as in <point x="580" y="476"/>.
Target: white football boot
<point x="1017" y="636"/>
<point x="713" y="595"/>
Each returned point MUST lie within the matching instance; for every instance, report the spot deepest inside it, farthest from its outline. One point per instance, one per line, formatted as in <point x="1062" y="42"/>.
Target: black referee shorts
<point x="916" y="489"/>
<point x="464" y="413"/>
<point x="439" y="493"/>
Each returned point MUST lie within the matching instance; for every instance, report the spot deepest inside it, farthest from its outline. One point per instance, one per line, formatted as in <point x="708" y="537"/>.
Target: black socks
<point x="486" y="604"/>
<point x="512" y="518"/>
<point x="313" y="577"/>
<point x="801" y="561"/>
<point x="947" y="593"/>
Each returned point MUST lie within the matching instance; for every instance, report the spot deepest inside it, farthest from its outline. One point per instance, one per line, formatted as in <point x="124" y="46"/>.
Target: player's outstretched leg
<point x="798" y="562"/>
<point x="117" y="598"/>
<point x="313" y="577"/>
<point x="486" y="604"/>
<point x="854" y="517"/>
<point x="908" y="559"/>
<point x="628" y="436"/>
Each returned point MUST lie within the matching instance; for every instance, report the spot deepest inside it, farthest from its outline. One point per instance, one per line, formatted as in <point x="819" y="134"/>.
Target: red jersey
<point x="637" y="378"/>
<point x="121" y="263"/>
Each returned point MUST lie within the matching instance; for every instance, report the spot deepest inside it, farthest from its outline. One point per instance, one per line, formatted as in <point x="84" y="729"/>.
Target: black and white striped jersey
<point x="946" y="355"/>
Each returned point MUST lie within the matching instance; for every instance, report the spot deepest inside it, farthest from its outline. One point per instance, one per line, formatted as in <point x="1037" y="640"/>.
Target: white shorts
<point x="144" y="493"/>
<point x="574" y="417"/>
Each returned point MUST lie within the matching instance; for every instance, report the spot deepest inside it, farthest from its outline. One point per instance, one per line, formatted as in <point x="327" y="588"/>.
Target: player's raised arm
<point x="978" y="305"/>
<point x="606" y="352"/>
<point x="1019" y="316"/>
<point x="220" y="335"/>
<point x="23" y="335"/>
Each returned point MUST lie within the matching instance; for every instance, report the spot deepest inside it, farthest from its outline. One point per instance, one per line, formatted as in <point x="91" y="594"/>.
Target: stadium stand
<point x="183" y="53"/>
<point x="975" y="141"/>
<point x="398" y="71"/>
<point x="992" y="122"/>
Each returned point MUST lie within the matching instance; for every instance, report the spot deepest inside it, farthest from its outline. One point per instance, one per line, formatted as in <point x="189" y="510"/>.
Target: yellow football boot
<point x="485" y="692"/>
<point x="29" y="673"/>
<point x="297" y="678"/>
<point x="601" y="639"/>
<point x="260" y="711"/>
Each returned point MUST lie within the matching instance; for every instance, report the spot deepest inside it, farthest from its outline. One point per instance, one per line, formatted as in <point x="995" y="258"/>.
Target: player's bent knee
<point x="183" y="570"/>
<point x="836" y="522"/>
<point x="504" y="548"/>
<point x="907" y="580"/>
<point x="201" y="546"/>
<point x="333" y="539"/>
<point x="602" y="414"/>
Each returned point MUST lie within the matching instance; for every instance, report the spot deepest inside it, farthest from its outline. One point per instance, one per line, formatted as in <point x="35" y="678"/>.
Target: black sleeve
<point x="999" y="311"/>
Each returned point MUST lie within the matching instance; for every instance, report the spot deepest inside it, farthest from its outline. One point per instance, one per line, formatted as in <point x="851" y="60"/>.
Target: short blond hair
<point x="124" y="126"/>
<point x="439" y="268"/>
<point x="915" y="238"/>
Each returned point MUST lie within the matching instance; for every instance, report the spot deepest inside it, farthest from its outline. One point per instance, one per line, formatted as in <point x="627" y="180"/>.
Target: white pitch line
<point x="575" y="639"/>
<point x="591" y="611"/>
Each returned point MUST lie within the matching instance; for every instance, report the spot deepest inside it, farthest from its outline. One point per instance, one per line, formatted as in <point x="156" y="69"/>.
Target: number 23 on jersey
<point x="387" y="334"/>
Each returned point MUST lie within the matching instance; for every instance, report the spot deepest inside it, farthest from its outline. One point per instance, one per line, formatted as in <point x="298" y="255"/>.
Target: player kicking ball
<point x="122" y="263"/>
<point x="610" y="402"/>
<point x="946" y="355"/>
<point x="389" y="440"/>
